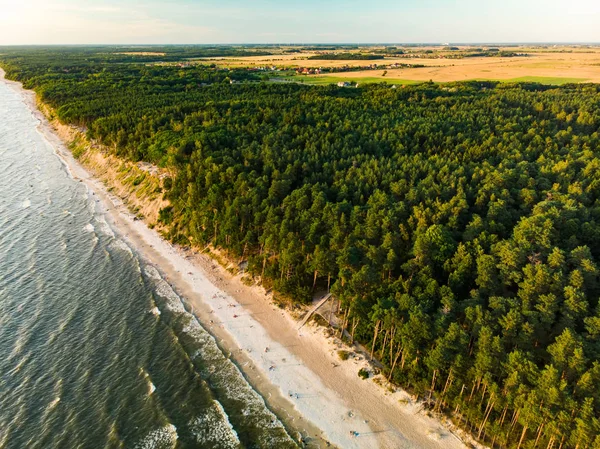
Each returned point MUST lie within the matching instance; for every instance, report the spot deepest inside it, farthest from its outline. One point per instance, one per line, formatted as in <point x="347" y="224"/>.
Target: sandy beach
<point x="300" y="376"/>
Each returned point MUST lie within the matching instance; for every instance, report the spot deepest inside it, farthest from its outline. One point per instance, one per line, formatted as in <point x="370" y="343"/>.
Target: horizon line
<point x="301" y="44"/>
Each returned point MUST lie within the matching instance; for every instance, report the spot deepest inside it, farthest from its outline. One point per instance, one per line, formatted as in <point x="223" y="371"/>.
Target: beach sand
<point x="301" y="376"/>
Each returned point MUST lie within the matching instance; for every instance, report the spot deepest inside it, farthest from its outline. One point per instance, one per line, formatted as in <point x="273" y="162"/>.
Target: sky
<point x="305" y="21"/>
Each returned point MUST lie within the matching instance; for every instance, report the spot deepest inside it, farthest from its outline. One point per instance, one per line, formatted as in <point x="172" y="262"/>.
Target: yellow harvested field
<point x="570" y="63"/>
<point x="584" y="66"/>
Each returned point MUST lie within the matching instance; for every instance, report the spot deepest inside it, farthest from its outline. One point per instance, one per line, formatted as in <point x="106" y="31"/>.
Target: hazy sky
<point x="304" y="21"/>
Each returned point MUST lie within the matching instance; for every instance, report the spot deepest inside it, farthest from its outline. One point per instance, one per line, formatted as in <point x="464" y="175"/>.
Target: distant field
<point x="548" y="65"/>
<point x="321" y="80"/>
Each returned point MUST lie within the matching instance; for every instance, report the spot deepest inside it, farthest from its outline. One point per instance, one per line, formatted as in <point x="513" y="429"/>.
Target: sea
<point x="96" y="349"/>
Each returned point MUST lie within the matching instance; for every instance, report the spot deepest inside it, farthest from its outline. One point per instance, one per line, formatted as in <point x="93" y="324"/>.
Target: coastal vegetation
<point x="458" y="224"/>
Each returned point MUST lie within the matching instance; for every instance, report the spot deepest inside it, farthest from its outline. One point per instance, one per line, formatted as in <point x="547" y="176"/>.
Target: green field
<point x="544" y="80"/>
<point x="322" y="80"/>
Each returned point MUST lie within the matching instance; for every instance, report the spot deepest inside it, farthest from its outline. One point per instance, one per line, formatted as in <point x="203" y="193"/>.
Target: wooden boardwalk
<point x="314" y="309"/>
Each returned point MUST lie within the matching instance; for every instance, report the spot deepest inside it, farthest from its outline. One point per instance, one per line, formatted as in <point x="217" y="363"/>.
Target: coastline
<point x="328" y="400"/>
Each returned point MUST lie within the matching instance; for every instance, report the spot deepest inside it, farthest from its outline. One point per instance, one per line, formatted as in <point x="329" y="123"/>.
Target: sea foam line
<point x="225" y="377"/>
<point x="214" y="428"/>
<point x="161" y="438"/>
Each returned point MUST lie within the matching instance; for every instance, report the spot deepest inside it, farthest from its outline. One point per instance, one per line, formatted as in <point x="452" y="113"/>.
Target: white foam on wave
<point x="224" y="374"/>
<point x="57" y="393"/>
<point x="151" y="386"/>
<point x="91" y="205"/>
<point x="226" y="377"/>
<point x="104" y="228"/>
<point x="89" y="228"/>
<point x="120" y="245"/>
<point x="152" y="272"/>
<point x="172" y="301"/>
<point x="155" y="311"/>
<point x="214" y="429"/>
<point x="54" y="403"/>
<point x="26" y="204"/>
<point x="137" y="265"/>
<point x="162" y="438"/>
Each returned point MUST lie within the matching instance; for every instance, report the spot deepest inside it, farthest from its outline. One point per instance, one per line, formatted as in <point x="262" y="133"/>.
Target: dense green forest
<point x="459" y="224"/>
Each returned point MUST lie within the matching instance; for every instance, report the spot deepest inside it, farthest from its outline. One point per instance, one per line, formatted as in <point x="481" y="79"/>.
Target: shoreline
<point x="301" y="377"/>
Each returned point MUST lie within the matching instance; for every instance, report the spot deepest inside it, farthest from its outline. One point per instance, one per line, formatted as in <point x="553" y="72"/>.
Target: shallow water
<point x="96" y="349"/>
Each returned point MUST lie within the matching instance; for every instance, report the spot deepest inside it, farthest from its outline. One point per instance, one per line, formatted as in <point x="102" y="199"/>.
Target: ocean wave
<point x="104" y="228"/>
<point x="214" y="429"/>
<point x="91" y="204"/>
<point x="18" y="346"/>
<point x="89" y="228"/>
<point x="162" y="438"/>
<point x="26" y="204"/>
<point x="57" y="396"/>
<point x="224" y="378"/>
<point x="172" y="301"/>
<point x="120" y="245"/>
<point x="208" y="349"/>
<point x="227" y="381"/>
<point x="54" y="403"/>
<point x="151" y="386"/>
<point x="152" y="273"/>
<point x="136" y="262"/>
<point x="20" y="364"/>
